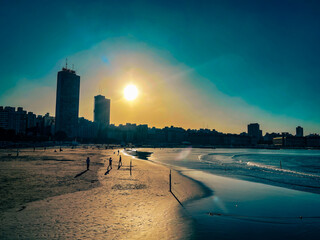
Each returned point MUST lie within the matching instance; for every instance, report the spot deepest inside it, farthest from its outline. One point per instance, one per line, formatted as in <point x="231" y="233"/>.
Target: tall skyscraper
<point x="67" y="104"/>
<point x="102" y="111"/>
<point x="299" y="131"/>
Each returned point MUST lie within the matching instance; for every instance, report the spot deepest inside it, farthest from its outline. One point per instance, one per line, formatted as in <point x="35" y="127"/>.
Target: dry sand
<point x="93" y="205"/>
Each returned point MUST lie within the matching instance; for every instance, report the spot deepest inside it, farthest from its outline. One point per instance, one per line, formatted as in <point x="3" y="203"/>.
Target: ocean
<point x="256" y="194"/>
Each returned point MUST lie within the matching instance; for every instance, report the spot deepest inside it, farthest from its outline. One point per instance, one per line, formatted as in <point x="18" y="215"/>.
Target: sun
<point x="130" y="92"/>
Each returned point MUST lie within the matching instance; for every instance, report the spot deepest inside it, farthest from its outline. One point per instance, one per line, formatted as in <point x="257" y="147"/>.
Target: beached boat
<point x="138" y="154"/>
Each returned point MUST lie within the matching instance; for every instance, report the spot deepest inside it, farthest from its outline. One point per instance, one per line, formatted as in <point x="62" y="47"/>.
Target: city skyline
<point x="223" y="79"/>
<point x="252" y="129"/>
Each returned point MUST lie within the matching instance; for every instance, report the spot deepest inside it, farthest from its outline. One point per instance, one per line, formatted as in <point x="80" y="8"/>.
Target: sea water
<point x="254" y="192"/>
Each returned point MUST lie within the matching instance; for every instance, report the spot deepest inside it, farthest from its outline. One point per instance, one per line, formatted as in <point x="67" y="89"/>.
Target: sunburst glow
<point x="130" y="92"/>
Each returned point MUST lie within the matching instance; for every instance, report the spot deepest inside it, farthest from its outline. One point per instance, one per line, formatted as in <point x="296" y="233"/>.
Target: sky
<point x="196" y="64"/>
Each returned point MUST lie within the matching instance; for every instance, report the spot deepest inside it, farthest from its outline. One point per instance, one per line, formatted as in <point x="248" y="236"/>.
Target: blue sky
<point x="258" y="54"/>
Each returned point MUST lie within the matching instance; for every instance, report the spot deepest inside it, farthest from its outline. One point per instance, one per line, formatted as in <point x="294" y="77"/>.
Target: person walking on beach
<point x="120" y="162"/>
<point x="118" y="152"/>
<point x="88" y="163"/>
<point x="110" y="163"/>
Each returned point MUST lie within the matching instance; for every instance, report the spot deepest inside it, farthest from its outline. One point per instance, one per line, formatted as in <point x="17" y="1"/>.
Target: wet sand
<point x="42" y="199"/>
<point x="240" y="209"/>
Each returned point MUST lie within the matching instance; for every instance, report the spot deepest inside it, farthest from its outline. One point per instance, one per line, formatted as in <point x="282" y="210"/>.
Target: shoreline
<point x="120" y="207"/>
<point x="220" y="170"/>
<point x="205" y="191"/>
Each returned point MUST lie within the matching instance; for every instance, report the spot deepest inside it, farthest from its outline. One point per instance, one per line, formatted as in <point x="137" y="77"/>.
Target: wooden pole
<point x="130" y="167"/>
<point x="170" y="181"/>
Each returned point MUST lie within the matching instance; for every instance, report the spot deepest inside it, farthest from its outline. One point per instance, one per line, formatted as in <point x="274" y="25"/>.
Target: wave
<point x="233" y="162"/>
<point x="259" y="165"/>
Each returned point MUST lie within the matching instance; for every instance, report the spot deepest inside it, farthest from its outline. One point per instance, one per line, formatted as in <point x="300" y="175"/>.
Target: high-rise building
<point x="14" y="120"/>
<point x="67" y="104"/>
<point x="299" y="131"/>
<point x="31" y="120"/>
<point x="5" y="116"/>
<point x="101" y="111"/>
<point x="254" y="132"/>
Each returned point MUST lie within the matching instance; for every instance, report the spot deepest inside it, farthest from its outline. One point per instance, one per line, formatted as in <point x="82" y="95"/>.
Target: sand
<point x="42" y="199"/>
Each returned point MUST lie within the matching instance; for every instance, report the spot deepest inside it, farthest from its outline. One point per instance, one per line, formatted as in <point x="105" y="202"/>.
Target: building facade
<point x="67" y="102"/>
<point x="87" y="129"/>
<point x="6" y="115"/>
<point x="290" y="141"/>
<point x="12" y="119"/>
<point x="102" y="111"/>
<point x="299" y="131"/>
<point x="254" y="132"/>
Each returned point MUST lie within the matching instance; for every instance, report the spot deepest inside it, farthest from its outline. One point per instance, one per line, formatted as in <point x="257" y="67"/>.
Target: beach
<point x="50" y="195"/>
<point x="43" y="199"/>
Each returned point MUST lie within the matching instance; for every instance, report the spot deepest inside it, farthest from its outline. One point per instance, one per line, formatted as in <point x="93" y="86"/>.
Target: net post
<point x="170" y="181"/>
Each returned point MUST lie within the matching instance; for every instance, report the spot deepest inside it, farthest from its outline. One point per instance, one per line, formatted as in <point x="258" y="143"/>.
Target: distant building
<point x="268" y="138"/>
<point x="299" y="131"/>
<point x="20" y="124"/>
<point x="87" y="129"/>
<point x="13" y="120"/>
<point x="142" y="133"/>
<point x="289" y="141"/>
<point x="31" y="120"/>
<point x="156" y="135"/>
<point x="114" y="133"/>
<point x="18" y="120"/>
<point x="313" y="140"/>
<point x="174" y="134"/>
<point x="236" y="140"/>
<point x="254" y="132"/>
<point x="286" y="134"/>
<point x="67" y="104"/>
<point x="102" y="111"/>
<point x="48" y="124"/>
<point x="6" y="117"/>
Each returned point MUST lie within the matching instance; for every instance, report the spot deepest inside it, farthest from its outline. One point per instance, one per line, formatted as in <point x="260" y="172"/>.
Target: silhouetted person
<point x="60" y="149"/>
<point x="88" y="163"/>
<point x="110" y="163"/>
<point x="118" y="152"/>
<point x="120" y="162"/>
<point x="34" y="149"/>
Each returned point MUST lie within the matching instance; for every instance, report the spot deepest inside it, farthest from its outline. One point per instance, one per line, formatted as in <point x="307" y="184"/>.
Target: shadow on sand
<point x="79" y="174"/>
<point x="176" y="199"/>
